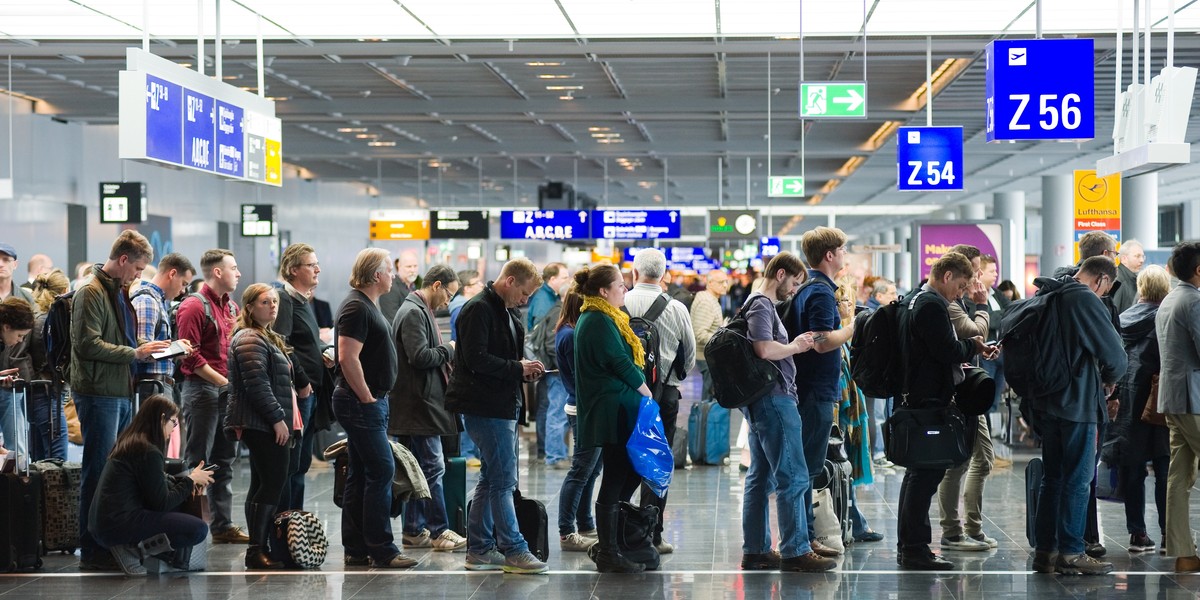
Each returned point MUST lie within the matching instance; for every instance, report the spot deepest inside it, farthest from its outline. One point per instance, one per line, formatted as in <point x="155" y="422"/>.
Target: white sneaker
<point x="573" y="542"/>
<point x="421" y="540"/>
<point x="449" y="541"/>
<point x="964" y="543"/>
<point x="492" y="561"/>
<point x="985" y="538"/>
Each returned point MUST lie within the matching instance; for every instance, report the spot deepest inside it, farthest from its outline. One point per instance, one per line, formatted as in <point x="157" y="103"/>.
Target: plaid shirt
<point x="153" y="324"/>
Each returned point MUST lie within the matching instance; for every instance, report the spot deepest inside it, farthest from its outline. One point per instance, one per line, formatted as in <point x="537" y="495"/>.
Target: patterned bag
<point x="60" y="504"/>
<point x="299" y="540"/>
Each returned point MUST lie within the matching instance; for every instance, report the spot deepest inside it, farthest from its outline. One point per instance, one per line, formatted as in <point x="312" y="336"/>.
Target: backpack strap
<point x="145" y="291"/>
<point x="656" y="310"/>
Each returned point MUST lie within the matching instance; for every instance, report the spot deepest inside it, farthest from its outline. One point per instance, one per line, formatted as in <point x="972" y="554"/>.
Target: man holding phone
<point x="152" y="307"/>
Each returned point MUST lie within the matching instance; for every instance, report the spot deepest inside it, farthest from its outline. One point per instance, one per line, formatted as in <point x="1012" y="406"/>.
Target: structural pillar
<point x="1010" y="207"/>
<point x="972" y="212"/>
<point x="904" y="258"/>
<point x="950" y="214"/>
<point x="888" y="267"/>
<point x="1139" y="209"/>
<point x="1058" y="222"/>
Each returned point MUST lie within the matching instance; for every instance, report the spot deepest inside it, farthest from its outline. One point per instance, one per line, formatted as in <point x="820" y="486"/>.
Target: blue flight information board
<point x="636" y="224"/>
<point x="1041" y="90"/>
<point x="164" y="120"/>
<point x="231" y="140"/>
<point x="544" y="225"/>
<point x="199" y="130"/>
<point x="674" y="254"/>
<point x="929" y="158"/>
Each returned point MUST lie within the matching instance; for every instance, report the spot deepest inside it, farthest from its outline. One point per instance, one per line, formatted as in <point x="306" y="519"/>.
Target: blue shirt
<point x="455" y="306"/>
<point x="815" y="308"/>
<point x="564" y="347"/>
<point x="539" y="305"/>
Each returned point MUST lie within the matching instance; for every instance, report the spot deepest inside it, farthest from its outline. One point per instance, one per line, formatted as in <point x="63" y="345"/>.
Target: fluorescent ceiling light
<point x="946" y="73"/>
<point x="881" y="135"/>
<point x="352" y="129"/>
<point x="378" y="143"/>
<point x="563" y="88"/>
<point x="851" y="165"/>
<point x="547" y="76"/>
<point x="543" y="64"/>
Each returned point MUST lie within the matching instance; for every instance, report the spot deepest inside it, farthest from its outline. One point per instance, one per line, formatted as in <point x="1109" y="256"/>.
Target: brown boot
<point x="1187" y="564"/>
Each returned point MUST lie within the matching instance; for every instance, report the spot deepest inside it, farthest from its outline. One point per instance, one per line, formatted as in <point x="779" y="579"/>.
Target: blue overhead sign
<point x="1041" y="90"/>
<point x="929" y="158"/>
<point x="674" y="254"/>
<point x="635" y="224"/>
<point x="544" y="225"/>
<point x="768" y="246"/>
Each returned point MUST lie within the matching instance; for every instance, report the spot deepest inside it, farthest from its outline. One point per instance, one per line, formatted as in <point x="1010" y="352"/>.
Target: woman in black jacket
<point x="261" y="412"/>
<point x="136" y="500"/>
<point x="1132" y="442"/>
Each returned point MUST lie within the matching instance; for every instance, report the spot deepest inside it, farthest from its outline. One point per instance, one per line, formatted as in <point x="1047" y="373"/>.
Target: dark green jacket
<point x="101" y="354"/>
<point x="606" y="382"/>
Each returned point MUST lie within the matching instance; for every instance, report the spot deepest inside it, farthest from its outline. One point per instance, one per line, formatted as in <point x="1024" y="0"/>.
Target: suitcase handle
<point x="21" y="387"/>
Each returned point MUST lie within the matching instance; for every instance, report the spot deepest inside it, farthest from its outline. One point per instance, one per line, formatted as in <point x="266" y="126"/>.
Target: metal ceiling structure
<point x="634" y="119"/>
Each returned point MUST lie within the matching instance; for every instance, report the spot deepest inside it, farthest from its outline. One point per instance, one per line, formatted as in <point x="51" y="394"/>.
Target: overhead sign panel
<point x="790" y="186"/>
<point x="123" y="202"/>
<point x="929" y="158"/>
<point x="1041" y="90"/>
<point x="768" y="247"/>
<point x="173" y="115"/>
<point x="732" y="224"/>
<point x="458" y="224"/>
<point x="258" y="220"/>
<point x="544" y="225"/>
<point x="636" y="224"/>
<point x="675" y="254"/>
<point x="399" y="224"/>
<point x="829" y="100"/>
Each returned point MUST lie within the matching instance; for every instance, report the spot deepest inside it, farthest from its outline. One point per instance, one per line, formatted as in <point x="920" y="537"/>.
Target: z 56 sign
<point x="1041" y="90"/>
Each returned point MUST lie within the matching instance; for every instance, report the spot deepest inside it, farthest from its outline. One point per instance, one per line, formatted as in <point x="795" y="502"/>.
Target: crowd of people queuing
<point x="267" y="373"/>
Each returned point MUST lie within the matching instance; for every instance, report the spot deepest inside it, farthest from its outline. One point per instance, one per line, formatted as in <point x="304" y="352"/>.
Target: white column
<point x="972" y="212"/>
<point x="1058" y="222"/>
<point x="1010" y="206"/>
<point x="889" y="259"/>
<point x="950" y="214"/>
<point x="1139" y="209"/>
<point x="904" y="266"/>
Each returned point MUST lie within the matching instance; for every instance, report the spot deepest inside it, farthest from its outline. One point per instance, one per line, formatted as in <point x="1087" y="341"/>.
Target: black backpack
<point x="646" y="330"/>
<point x="875" y="351"/>
<point x="787" y="309"/>
<point x="539" y="344"/>
<point x="1035" y="358"/>
<point x="740" y="378"/>
<point x="57" y="335"/>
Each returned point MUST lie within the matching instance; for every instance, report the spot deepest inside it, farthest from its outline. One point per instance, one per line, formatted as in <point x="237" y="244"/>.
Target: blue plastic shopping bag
<point x="648" y="448"/>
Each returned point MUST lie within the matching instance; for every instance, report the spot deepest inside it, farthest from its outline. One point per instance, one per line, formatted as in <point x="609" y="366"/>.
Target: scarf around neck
<point x="600" y="305"/>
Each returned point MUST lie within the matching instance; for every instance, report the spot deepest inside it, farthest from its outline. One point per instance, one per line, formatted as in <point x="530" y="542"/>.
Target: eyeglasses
<point x="1110" y="253"/>
<point x="311" y="265"/>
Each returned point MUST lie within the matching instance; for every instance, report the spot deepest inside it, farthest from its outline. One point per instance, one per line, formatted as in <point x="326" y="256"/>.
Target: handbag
<point x="927" y="438"/>
<point x="1150" y="414"/>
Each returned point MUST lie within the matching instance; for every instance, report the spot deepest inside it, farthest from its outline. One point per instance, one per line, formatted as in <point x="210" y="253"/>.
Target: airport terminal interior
<point x="471" y="132"/>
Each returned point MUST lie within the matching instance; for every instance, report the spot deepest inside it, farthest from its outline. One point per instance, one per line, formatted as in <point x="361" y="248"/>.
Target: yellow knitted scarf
<point x="600" y="305"/>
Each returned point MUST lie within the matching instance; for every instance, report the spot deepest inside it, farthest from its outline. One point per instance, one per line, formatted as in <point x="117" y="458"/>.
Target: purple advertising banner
<point x="936" y="239"/>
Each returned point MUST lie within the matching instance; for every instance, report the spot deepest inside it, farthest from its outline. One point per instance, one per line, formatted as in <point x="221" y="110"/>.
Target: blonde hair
<point x="1153" y="284"/>
<point x="246" y="321"/>
<point x="47" y="287"/>
<point x="368" y="262"/>
<point x="521" y="269"/>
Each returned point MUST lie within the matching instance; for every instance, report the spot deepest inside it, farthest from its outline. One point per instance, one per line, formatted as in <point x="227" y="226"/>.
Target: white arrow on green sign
<point x="786" y="187"/>
<point x="827" y="100"/>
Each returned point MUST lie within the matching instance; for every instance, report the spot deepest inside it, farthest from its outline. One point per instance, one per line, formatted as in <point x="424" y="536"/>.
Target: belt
<point x="167" y="379"/>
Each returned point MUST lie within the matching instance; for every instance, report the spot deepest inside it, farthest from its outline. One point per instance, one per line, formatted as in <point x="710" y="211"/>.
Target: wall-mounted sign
<point x="1041" y="90"/>
<point x="258" y="220"/>
<point x="935" y="239"/>
<point x="544" y="225"/>
<point x="399" y="224"/>
<point x="929" y="158"/>
<point x="732" y="224"/>
<point x="768" y="247"/>
<point x="458" y="224"/>
<point x="636" y="224"/>
<point x="173" y="115"/>
<point x="123" y="202"/>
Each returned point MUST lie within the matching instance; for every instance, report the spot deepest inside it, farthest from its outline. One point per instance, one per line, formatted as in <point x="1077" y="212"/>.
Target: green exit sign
<point x="786" y="187"/>
<point x="826" y="100"/>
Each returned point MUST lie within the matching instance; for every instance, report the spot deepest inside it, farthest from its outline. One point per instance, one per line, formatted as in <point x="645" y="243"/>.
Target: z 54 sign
<point x="1041" y="90"/>
<point x="930" y="158"/>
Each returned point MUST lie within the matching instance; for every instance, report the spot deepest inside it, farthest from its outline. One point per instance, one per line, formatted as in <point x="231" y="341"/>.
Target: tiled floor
<point x="703" y="523"/>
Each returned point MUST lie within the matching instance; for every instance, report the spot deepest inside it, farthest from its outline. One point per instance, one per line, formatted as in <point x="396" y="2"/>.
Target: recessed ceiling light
<point x="566" y="97"/>
<point x="367" y="136"/>
<point x="352" y="129"/>
<point x="599" y="129"/>
<point x="378" y="143"/>
<point x="543" y="64"/>
<point x="546" y="76"/>
<point x="563" y="88"/>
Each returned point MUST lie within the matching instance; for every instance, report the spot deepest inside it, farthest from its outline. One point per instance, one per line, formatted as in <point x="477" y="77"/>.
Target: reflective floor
<point x="703" y="523"/>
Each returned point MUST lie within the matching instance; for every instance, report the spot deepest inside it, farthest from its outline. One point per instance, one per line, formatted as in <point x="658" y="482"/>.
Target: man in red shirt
<point x="206" y="319"/>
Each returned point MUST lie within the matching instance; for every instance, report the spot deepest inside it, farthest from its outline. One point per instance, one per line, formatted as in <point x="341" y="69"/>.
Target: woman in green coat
<point x="609" y="390"/>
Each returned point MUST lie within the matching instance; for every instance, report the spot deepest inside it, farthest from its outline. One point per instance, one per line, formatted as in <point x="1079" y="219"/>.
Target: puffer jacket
<point x="260" y="393"/>
<point x="1131" y="441"/>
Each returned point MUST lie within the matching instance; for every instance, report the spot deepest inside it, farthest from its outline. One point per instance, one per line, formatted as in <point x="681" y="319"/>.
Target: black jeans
<point x="268" y="467"/>
<point x="619" y="479"/>
<point x="668" y="407"/>
<point x="182" y="529"/>
<point x="1133" y="480"/>
<point x="916" y="492"/>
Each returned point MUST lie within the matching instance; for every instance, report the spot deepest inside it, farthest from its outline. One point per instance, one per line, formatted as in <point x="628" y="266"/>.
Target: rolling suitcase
<point x="454" y="493"/>
<point x="60" y="504"/>
<point x="679" y="448"/>
<point x="708" y="427"/>
<point x="1033" y="484"/>
<point x="21" y="490"/>
<point x="532" y="522"/>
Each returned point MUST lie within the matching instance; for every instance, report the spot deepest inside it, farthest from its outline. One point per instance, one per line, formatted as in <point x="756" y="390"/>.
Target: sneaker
<point x="1081" y="564"/>
<point x="664" y="547"/>
<point x="449" y="541"/>
<point x="356" y="561"/>
<point x="474" y="463"/>
<point x="964" y="544"/>
<point x="808" y="563"/>
<point x="1096" y="550"/>
<point x="823" y="550"/>
<point x="883" y="463"/>
<point x="399" y="561"/>
<point x="524" y="563"/>
<point x="986" y="539"/>
<point x="492" y="561"/>
<point x="233" y="535"/>
<point x="574" y="542"/>
<point x="589" y="533"/>
<point x="1043" y="561"/>
<point x="99" y="560"/>
<point x="1140" y="542"/>
<point x="761" y="562"/>
<point x="869" y="536"/>
<point x="421" y="540"/>
<point x="129" y="558"/>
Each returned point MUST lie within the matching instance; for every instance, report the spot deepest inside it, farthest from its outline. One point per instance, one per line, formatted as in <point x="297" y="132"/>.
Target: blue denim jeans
<point x="817" y="417"/>
<point x="100" y="418"/>
<point x="777" y="465"/>
<point x="575" y="498"/>
<point x="41" y="446"/>
<point x="367" y="499"/>
<point x="466" y="446"/>
<point x="13" y="422"/>
<point x="430" y="513"/>
<point x="1069" y="460"/>
<point x="878" y="411"/>
<point x="182" y="529"/>
<point x="556" y="419"/>
<point x="492" y="522"/>
<point x="292" y="497"/>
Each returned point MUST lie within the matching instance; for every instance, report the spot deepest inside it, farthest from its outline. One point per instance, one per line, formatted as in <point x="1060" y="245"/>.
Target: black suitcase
<point x="454" y="493"/>
<point x="1033" y="485"/>
<point x="21" y="490"/>
<point x="533" y="524"/>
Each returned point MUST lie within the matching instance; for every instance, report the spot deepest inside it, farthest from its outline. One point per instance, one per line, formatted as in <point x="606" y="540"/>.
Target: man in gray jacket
<point x="418" y="413"/>
<point x="1178" y="327"/>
